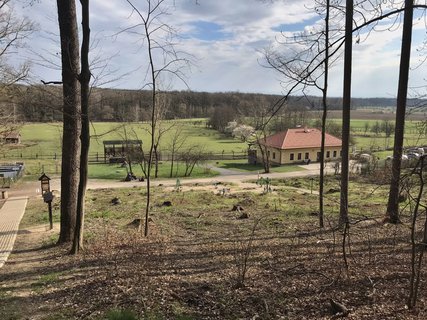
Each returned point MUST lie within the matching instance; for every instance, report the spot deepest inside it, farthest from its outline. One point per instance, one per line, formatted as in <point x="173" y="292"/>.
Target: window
<point x="299" y="156"/>
<point x="268" y="153"/>
<point x="274" y="155"/>
<point x="307" y="156"/>
<point x="291" y="156"/>
<point x="328" y="154"/>
<point x="335" y="154"/>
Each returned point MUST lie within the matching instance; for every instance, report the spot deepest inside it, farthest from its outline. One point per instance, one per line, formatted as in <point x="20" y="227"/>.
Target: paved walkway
<point x="10" y="216"/>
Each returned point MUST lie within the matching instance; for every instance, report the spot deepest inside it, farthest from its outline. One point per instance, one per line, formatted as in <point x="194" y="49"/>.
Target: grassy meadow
<point x="45" y="138"/>
<point x="41" y="144"/>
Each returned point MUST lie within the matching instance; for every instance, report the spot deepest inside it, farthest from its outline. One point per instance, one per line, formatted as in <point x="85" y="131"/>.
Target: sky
<point x="224" y="40"/>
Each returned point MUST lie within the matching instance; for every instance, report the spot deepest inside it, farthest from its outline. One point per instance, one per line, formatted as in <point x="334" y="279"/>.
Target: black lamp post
<point x="47" y="195"/>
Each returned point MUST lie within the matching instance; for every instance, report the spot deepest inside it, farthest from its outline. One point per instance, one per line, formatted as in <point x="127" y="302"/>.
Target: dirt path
<point x="238" y="181"/>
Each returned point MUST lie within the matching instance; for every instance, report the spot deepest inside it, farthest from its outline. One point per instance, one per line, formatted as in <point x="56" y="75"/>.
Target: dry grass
<point x="188" y="268"/>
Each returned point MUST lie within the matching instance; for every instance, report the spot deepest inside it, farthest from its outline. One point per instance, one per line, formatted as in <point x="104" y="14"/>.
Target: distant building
<point x="120" y="150"/>
<point x="13" y="137"/>
<point x="299" y="145"/>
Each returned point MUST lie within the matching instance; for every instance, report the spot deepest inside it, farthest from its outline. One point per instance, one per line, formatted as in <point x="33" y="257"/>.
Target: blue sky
<point x="225" y="41"/>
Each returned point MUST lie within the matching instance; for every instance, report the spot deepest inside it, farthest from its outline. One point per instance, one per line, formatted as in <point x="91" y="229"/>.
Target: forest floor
<point x="202" y="260"/>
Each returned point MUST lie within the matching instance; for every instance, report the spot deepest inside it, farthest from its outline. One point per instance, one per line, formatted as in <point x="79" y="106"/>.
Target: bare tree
<point x="417" y="247"/>
<point x="84" y="79"/>
<point x="162" y="128"/>
<point x="71" y="117"/>
<point x="392" y="214"/>
<point x="191" y="157"/>
<point x="177" y="142"/>
<point x="306" y="67"/>
<point x="13" y="32"/>
<point x="151" y="24"/>
<point x="348" y="52"/>
<point x="260" y="120"/>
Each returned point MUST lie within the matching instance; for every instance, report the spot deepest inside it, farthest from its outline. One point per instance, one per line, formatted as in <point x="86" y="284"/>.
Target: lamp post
<point x="47" y="195"/>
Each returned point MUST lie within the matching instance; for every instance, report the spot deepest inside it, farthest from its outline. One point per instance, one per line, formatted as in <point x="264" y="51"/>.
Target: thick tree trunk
<point x="85" y="133"/>
<point x="71" y="117"/>
<point x="343" y="219"/>
<point x="402" y="93"/>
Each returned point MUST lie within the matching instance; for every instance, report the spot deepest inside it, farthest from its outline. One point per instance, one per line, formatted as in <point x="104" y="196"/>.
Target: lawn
<point x="42" y="142"/>
<point x="118" y="172"/>
<point x="244" y="166"/>
<point x="45" y="139"/>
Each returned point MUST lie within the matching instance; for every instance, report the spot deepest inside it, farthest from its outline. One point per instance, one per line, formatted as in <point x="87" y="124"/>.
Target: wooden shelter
<point x="13" y="137"/>
<point x="120" y="150"/>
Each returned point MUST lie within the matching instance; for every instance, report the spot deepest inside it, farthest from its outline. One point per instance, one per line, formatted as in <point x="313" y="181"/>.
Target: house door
<point x="318" y="156"/>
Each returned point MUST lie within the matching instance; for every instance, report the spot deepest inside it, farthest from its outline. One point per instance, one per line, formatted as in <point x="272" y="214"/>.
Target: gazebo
<point x="117" y="150"/>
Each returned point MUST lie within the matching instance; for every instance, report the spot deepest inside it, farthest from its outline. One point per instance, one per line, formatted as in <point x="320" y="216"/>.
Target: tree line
<point x="40" y="103"/>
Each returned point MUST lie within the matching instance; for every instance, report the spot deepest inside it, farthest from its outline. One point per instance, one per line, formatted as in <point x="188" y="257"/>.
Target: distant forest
<point x="44" y="103"/>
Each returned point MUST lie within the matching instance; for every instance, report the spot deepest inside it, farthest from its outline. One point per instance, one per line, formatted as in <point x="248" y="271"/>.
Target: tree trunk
<point x="71" y="117"/>
<point x="343" y="219"/>
<point x="172" y="160"/>
<point x="392" y="214"/>
<point x="85" y="133"/>
<point x="324" y="116"/>
<point x="156" y="161"/>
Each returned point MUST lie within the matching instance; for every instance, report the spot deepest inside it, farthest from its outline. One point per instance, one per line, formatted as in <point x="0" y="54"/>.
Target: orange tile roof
<point x="300" y="138"/>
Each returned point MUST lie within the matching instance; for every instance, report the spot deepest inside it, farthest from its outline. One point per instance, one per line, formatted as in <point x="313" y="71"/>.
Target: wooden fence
<point x="99" y="158"/>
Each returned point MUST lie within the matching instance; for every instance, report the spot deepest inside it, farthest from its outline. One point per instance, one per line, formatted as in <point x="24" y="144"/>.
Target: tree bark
<point x="392" y="214"/>
<point x="348" y="48"/>
<point x="85" y="131"/>
<point x="71" y="117"/>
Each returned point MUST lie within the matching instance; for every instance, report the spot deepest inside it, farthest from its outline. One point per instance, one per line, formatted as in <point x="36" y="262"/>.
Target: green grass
<point x="244" y="166"/>
<point x="45" y="139"/>
<point x="36" y="213"/>
<point x="121" y="315"/>
<point x="117" y="172"/>
<point x="372" y="142"/>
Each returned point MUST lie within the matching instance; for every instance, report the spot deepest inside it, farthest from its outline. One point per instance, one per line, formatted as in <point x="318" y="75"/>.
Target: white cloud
<point x="227" y="63"/>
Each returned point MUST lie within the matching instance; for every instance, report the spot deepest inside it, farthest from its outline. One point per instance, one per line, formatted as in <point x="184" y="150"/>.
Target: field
<point x="41" y="145"/>
<point x="204" y="261"/>
<point x="45" y="139"/>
